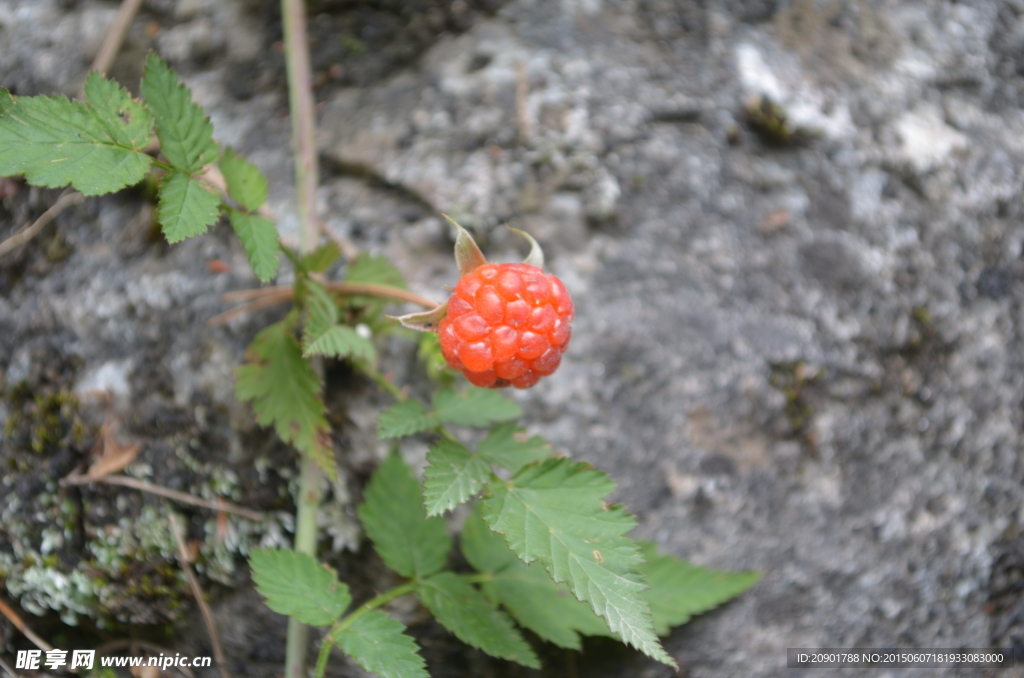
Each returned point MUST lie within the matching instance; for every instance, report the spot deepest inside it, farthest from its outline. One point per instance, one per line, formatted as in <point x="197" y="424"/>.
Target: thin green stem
<point x="381" y="380"/>
<point x="310" y="494"/>
<point x="345" y="622"/>
<point x="300" y="99"/>
<point x="479" y="577"/>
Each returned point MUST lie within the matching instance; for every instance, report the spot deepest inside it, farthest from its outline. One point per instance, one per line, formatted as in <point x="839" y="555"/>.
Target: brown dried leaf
<point x="113" y="457"/>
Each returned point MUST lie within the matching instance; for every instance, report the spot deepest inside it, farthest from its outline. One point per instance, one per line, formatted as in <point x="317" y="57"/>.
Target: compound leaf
<point x="374" y="268"/>
<point x="322" y="311"/>
<point x="246" y="184"/>
<point x="464" y="611"/>
<point x="679" y="590"/>
<point x="320" y="259"/>
<point x="55" y="142"/>
<point x="453" y="476"/>
<point x="409" y="542"/>
<point x="474" y="407"/>
<point x="323" y="336"/>
<point x="294" y="584"/>
<point x="404" y="418"/>
<point x="552" y="511"/>
<point x="259" y="238"/>
<point x="128" y="122"/>
<point x="527" y="592"/>
<point x="186" y="207"/>
<point x="285" y="393"/>
<point x="376" y="642"/>
<point x="510" y="447"/>
<point x="184" y="131"/>
<point x="341" y="341"/>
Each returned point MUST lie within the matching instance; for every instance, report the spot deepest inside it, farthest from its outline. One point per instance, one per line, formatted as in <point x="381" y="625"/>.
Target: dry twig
<point x="21" y="626"/>
<point x="143" y="486"/>
<point x="67" y="199"/>
<point x="115" y="36"/>
<point x="522" y="103"/>
<point x="197" y="592"/>
<point x="7" y="667"/>
<point x="265" y="297"/>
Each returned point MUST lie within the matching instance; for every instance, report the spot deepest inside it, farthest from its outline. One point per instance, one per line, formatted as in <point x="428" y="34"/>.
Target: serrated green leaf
<point x="377" y="643"/>
<point x="186" y="207"/>
<point x="323" y="336"/>
<point x="527" y="592"/>
<point x="55" y="142"/>
<point x="259" y="238"/>
<point x="246" y="184"/>
<point x="128" y="122"/>
<point x="320" y="259"/>
<point x="185" y="133"/>
<point x="404" y="418"/>
<point x="510" y="447"/>
<point x="294" y="584"/>
<point x="679" y="590"/>
<point x="453" y="476"/>
<point x="342" y="341"/>
<point x="409" y="542"/>
<point x="374" y="268"/>
<point x="322" y="311"/>
<point x="474" y="407"/>
<point x="285" y="393"/>
<point x="464" y="611"/>
<point x="553" y="512"/>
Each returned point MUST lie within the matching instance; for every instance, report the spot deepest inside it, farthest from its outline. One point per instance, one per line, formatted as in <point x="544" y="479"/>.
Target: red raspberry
<point x="507" y="324"/>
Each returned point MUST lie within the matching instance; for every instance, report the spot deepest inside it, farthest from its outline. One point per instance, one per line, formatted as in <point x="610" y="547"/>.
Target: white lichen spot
<point x="925" y="139"/>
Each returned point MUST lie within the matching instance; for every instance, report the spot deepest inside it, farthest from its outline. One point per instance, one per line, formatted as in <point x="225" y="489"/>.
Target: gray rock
<point x="802" y="358"/>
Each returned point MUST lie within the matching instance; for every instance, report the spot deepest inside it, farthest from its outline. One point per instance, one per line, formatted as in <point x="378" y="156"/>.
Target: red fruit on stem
<point x="506" y="325"/>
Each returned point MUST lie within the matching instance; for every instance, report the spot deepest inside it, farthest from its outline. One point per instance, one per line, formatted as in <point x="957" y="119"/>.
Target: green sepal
<point x="468" y="256"/>
<point x="424" y="321"/>
<point x="536" y="255"/>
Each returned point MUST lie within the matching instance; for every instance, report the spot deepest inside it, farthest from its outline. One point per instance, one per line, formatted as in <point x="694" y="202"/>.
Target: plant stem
<point x="381" y="380"/>
<point x="300" y="98"/>
<point x="345" y="622"/>
<point x="310" y="492"/>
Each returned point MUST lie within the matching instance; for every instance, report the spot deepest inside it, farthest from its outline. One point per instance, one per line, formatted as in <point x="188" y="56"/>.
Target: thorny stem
<point x="300" y="97"/>
<point x="345" y="622"/>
